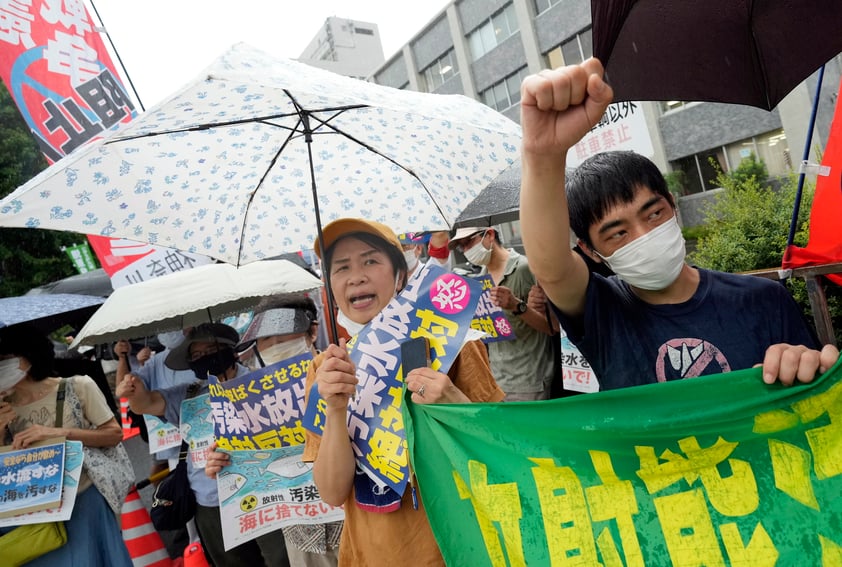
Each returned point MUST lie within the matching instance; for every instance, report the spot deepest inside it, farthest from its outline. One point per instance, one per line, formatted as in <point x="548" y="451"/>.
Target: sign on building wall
<point x="623" y="127"/>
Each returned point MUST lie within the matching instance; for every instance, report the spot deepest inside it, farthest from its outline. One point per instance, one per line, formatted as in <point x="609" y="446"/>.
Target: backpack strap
<point x="62" y="387"/>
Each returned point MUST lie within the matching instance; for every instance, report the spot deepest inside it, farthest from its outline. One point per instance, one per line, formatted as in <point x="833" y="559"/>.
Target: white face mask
<point x="171" y="339"/>
<point x="10" y="373"/>
<point x="282" y="351"/>
<point x="653" y="261"/>
<point x="478" y="255"/>
<point x="352" y="327"/>
<point x="411" y="259"/>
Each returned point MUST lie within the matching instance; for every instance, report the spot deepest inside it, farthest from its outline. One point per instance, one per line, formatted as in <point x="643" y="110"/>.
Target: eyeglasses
<point x="469" y="241"/>
<point x="197" y="354"/>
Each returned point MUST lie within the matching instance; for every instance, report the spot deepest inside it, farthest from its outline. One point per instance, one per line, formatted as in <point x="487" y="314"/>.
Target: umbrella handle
<point x="152" y="479"/>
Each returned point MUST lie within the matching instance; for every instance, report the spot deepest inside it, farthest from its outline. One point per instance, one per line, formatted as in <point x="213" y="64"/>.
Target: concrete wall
<point x="432" y="43"/>
<point x="699" y="127"/>
<point x="474" y="12"/>
<point x="692" y="207"/>
<point x="498" y="63"/>
<point x="561" y="22"/>
<point x="394" y="73"/>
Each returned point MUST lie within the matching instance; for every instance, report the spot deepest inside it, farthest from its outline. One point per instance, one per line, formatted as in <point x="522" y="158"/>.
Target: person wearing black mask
<point x="208" y="350"/>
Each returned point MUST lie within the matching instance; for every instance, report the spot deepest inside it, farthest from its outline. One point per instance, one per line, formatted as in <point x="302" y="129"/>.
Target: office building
<point x="484" y="48"/>
<point x="346" y="47"/>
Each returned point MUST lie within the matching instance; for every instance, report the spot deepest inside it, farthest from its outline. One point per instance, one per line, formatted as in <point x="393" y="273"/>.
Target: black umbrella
<point x="95" y="282"/>
<point x="499" y="202"/>
<point x="737" y="51"/>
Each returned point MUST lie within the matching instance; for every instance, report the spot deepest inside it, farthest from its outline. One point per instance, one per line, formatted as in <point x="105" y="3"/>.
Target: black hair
<point x="33" y="345"/>
<point x="395" y="254"/>
<point x="605" y="180"/>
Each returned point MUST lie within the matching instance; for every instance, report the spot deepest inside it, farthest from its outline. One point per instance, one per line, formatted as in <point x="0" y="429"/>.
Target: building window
<point x="668" y="105"/>
<point x="544" y="5"/>
<point x="700" y="170"/>
<point x="493" y="31"/>
<point x="573" y="51"/>
<point x="771" y="148"/>
<point x="441" y="70"/>
<point x="364" y="31"/>
<point x="505" y="94"/>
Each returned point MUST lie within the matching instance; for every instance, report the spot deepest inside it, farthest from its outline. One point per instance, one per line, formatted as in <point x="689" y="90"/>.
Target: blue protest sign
<point x="262" y="409"/>
<point x="490" y="318"/>
<point x="435" y="304"/>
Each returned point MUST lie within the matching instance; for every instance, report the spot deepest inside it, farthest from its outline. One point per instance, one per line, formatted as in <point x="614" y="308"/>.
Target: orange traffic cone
<point x="143" y="542"/>
<point x="194" y="555"/>
<point x="128" y="430"/>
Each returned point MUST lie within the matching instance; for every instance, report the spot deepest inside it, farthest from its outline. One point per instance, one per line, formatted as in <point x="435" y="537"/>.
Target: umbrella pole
<point x="805" y="157"/>
<point x="331" y="307"/>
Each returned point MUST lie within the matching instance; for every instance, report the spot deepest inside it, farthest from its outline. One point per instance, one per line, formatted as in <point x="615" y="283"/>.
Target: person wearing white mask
<point x="525" y="367"/>
<point x="412" y="254"/>
<point x="32" y="391"/>
<point x="414" y="244"/>
<point x="279" y="333"/>
<point x="658" y="318"/>
<point x="276" y="334"/>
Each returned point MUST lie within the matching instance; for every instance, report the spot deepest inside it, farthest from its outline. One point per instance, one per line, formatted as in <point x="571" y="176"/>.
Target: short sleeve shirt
<point x="404" y="537"/>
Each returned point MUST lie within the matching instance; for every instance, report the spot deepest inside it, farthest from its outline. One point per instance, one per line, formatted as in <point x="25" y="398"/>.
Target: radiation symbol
<point x="161" y="433"/>
<point x="248" y="503"/>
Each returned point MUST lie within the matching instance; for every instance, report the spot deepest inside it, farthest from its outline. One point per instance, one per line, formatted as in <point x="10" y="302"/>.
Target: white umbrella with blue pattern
<point x="231" y="165"/>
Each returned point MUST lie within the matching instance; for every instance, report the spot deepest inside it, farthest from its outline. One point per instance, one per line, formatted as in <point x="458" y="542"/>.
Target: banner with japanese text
<point x="73" y="458"/>
<point x="263" y="491"/>
<point x="622" y="127"/>
<point x="59" y="73"/>
<point x="577" y="374"/>
<point x="62" y="79"/>
<point x="262" y="409"/>
<point x="162" y="435"/>
<point x="719" y="470"/>
<point x="31" y="478"/>
<point x="435" y="304"/>
<point x="128" y="262"/>
<point x="82" y="257"/>
<point x="490" y="318"/>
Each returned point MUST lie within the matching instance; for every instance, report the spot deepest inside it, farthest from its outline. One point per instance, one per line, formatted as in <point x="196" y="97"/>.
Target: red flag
<point x="59" y="73"/>
<point x="825" y="243"/>
<point x="67" y="89"/>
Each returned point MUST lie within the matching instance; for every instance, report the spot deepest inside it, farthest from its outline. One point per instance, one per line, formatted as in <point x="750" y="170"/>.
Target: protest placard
<point x="262" y="491"/>
<point x="73" y="458"/>
<point x="490" y="318"/>
<point x="262" y="409"/>
<point x="31" y="478"/>
<point x="435" y="304"/>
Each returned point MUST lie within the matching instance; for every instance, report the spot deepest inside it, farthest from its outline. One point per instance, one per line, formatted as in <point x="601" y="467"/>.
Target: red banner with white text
<point x="60" y="75"/>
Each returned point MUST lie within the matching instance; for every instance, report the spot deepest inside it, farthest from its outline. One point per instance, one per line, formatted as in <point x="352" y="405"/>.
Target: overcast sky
<point x="166" y="43"/>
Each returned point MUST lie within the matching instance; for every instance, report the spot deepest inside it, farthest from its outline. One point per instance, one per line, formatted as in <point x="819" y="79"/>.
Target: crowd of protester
<point x="622" y="296"/>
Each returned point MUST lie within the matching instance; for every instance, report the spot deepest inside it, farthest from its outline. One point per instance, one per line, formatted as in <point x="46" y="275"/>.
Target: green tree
<point x="747" y="229"/>
<point x="750" y="168"/>
<point x="28" y="257"/>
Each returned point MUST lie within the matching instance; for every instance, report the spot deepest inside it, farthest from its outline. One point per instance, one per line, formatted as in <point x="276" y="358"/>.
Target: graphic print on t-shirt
<point x="688" y="358"/>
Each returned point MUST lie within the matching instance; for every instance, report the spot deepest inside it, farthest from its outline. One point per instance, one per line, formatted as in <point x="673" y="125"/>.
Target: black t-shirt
<point x="727" y="325"/>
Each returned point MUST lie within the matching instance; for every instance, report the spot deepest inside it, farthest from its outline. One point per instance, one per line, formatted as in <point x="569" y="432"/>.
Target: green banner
<point x="82" y="257"/>
<point x="715" y="471"/>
